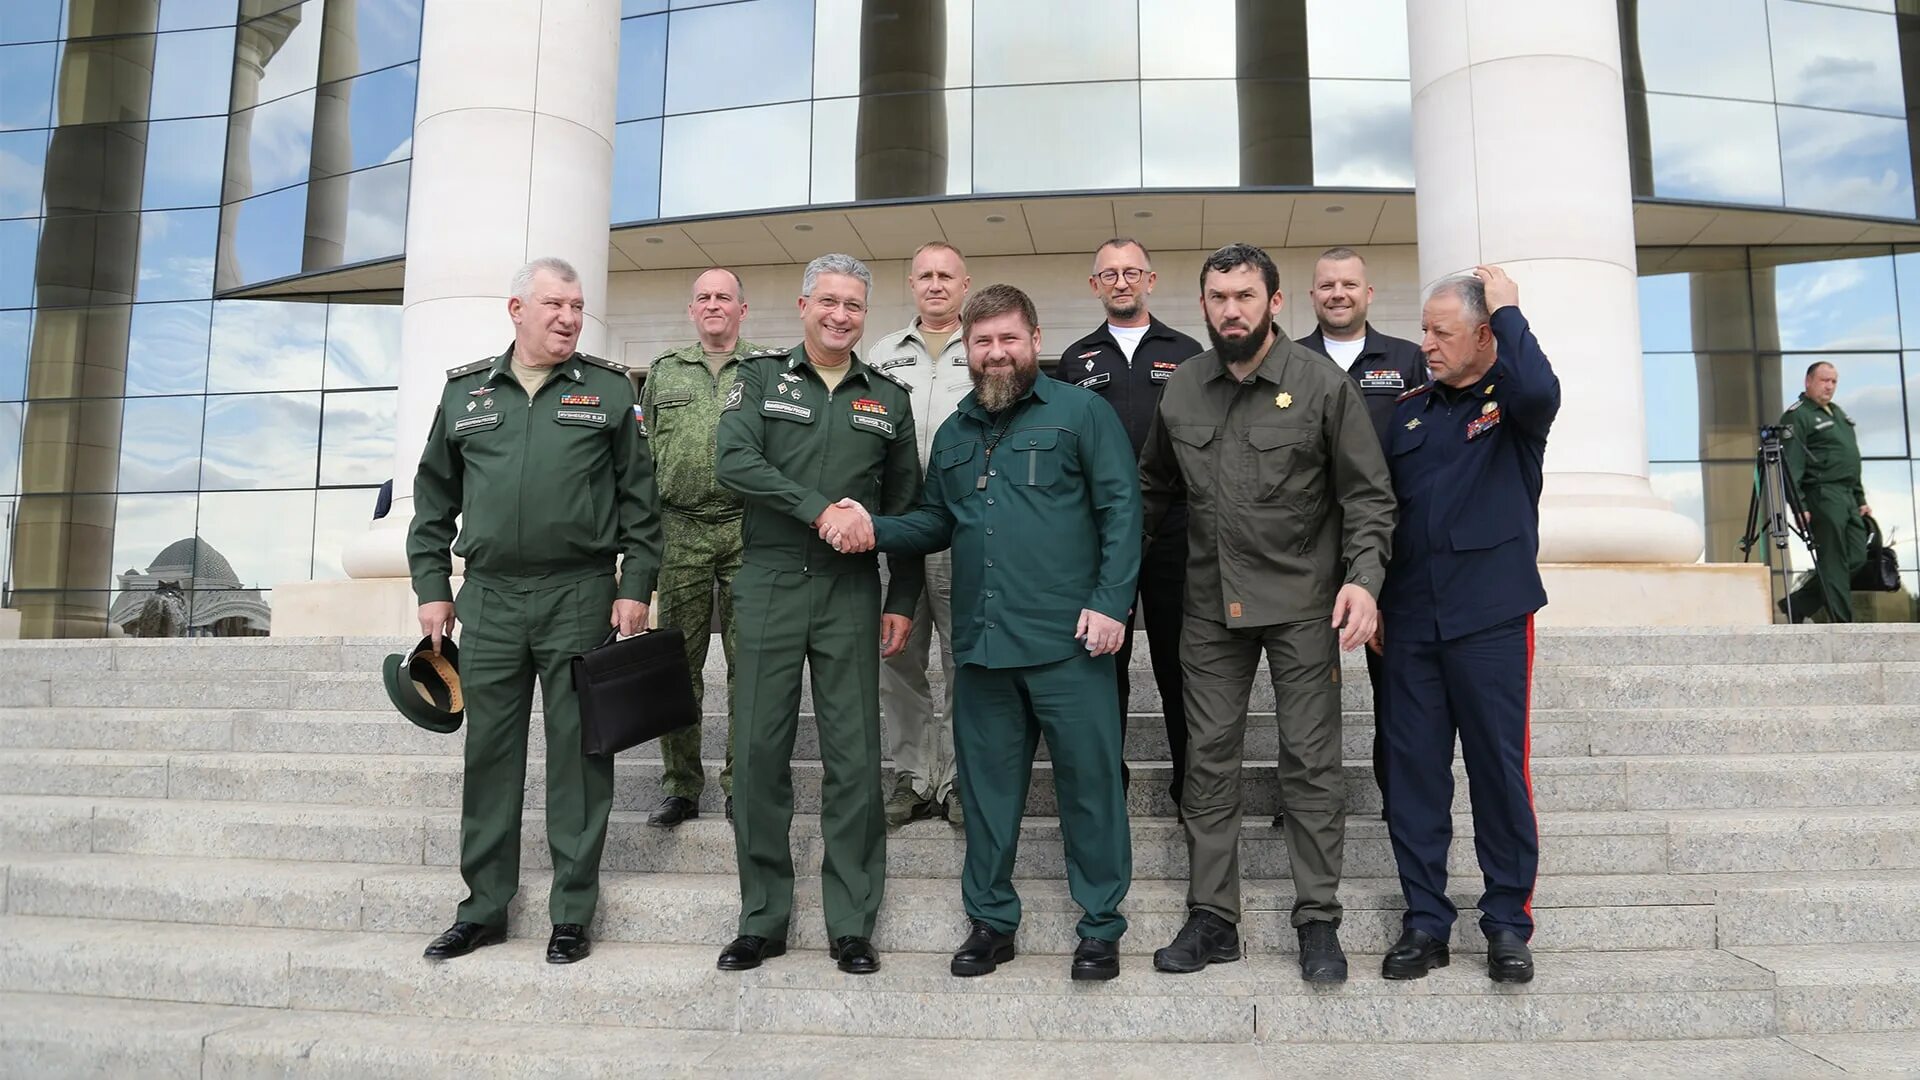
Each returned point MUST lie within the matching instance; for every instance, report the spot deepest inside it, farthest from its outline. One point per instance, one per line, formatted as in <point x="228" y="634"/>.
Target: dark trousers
<point x="1479" y="686"/>
<point x="1163" y="587"/>
<point x="1377" y="678"/>
<point x="1000" y="716"/>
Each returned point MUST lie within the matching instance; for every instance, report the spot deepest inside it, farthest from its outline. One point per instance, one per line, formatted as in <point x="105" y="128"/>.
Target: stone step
<point x="1633" y="783"/>
<point x="1576" y="913"/>
<point x="1565" y="686"/>
<point x="1686" y="994"/>
<point x="1572" y="842"/>
<point x="60" y="1035"/>
<point x="1554" y="647"/>
<point x="1844" y="988"/>
<point x="1555" y="732"/>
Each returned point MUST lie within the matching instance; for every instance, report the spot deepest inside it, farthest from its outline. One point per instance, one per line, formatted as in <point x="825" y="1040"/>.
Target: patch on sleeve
<point x="733" y="398"/>
<point x="640" y="416"/>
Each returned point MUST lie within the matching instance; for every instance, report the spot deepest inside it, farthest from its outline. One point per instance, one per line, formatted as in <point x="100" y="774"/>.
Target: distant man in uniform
<point x="543" y="434"/>
<point x="1457" y="617"/>
<point x="1291" y="515"/>
<point x="928" y="358"/>
<point x="1822" y="455"/>
<point x="799" y="431"/>
<point x="1385" y="367"/>
<point x="1034" y="486"/>
<point x="1127" y="361"/>
<point x="679" y="412"/>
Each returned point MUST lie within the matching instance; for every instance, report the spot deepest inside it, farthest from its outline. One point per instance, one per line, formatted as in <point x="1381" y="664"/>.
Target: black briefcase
<point x="633" y="690"/>
<point x="1881" y="571"/>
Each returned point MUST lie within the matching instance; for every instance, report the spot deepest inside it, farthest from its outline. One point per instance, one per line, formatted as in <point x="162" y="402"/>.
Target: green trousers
<point x="1840" y="546"/>
<point x="1220" y="663"/>
<point x="699" y="554"/>
<point x="1000" y="715"/>
<point x="508" y="638"/>
<point x="831" y="625"/>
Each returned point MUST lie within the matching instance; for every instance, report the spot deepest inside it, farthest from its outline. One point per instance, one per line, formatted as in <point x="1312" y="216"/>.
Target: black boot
<point x="1321" y="958"/>
<point x="1206" y="939"/>
<point x="673" y="810"/>
<point x="1508" y="958"/>
<point x="1096" y="960"/>
<point x="984" y="950"/>
<point x="1415" y="954"/>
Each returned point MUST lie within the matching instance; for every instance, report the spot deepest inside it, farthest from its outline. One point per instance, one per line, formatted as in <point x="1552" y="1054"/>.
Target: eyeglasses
<point x="1132" y="274"/>
<point x="831" y="304"/>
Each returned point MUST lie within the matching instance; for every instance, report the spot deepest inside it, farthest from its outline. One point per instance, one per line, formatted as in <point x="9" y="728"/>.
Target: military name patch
<point x="483" y="420"/>
<point x="868" y="405"/>
<point x="733" y="398"/>
<point x="874" y="422"/>
<point x="1388" y="379"/>
<point x="579" y="399"/>
<point x="1101" y="379"/>
<point x="1159" y="374"/>
<point x="581" y="416"/>
<point x="774" y="405"/>
<point x="898" y="361"/>
<point x="1484" y="422"/>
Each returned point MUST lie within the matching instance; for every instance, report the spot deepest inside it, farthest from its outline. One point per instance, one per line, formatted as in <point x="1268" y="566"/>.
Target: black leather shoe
<point x="855" y="954"/>
<point x="1279" y="818"/>
<point x="1206" y="939"/>
<point x="1321" y="958"/>
<point x="462" y="938"/>
<point x="1508" y="958"/>
<point x="1096" y="960"/>
<point x="745" y="952"/>
<point x="984" y="950"/>
<point x="568" y="944"/>
<point x="673" y="810"/>
<point x="729" y="808"/>
<point x="1415" y="954"/>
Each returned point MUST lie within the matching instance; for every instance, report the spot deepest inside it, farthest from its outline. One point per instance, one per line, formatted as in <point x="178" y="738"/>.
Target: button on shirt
<point x="1054" y="530"/>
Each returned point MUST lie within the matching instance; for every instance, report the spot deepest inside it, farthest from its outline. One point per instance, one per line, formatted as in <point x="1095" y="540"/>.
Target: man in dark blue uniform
<point x="1457" y="617"/>
<point x="1127" y="361"/>
<point x="1385" y="367"/>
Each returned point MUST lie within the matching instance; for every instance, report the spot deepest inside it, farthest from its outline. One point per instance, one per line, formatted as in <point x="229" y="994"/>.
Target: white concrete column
<point x="512" y="159"/>
<point x="1520" y="158"/>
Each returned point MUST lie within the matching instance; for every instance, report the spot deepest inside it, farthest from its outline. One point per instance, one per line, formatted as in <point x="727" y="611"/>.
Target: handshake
<point x="847" y="526"/>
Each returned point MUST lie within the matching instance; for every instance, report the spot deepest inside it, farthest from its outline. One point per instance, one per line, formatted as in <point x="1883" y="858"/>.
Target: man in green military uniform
<point x="679" y="411"/>
<point x="1033" y="485"/>
<point x="537" y="454"/>
<point x="1822" y="455"/>
<point x="1291" y="519"/>
<point x="799" y="431"/>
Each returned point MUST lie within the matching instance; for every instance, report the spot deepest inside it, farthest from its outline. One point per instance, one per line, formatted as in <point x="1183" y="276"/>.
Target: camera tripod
<point x="1775" y="510"/>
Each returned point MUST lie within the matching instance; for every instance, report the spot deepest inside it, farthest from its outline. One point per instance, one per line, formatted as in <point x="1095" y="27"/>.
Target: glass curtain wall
<point x="1729" y="334"/>
<point x="760" y="104"/>
<point x="166" y="456"/>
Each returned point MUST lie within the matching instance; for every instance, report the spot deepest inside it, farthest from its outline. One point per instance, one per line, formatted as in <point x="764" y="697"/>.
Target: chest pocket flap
<point x="1191" y="434"/>
<point x="1033" y="439"/>
<point x="1273" y="438"/>
<point x="954" y="456"/>
<point x="671" y="398"/>
<point x="1406" y="442"/>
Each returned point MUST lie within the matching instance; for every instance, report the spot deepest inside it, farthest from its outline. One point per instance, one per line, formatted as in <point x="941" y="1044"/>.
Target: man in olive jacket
<point x="1822" y="456"/>
<point x="538" y="454"/>
<point x="1291" y="518"/>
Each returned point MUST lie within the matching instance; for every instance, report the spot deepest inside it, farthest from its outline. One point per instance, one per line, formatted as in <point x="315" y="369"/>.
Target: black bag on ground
<point x="634" y="690"/>
<point x="1881" y="571"/>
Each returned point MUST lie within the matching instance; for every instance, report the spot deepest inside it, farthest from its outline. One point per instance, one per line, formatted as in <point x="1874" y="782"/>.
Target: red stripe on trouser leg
<point x="1526" y="764"/>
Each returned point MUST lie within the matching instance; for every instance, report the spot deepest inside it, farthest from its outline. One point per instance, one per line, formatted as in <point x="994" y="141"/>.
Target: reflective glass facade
<point x="1796" y="103"/>
<point x="166" y="456"/>
<point x="762" y="104"/>
<point x="1729" y="334"/>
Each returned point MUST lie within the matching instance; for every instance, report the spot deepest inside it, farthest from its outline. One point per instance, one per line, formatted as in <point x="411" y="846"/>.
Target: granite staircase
<point x="222" y="858"/>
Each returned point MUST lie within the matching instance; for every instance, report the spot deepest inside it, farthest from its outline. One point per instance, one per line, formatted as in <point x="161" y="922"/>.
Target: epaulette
<point x="664" y="353"/>
<point x="609" y="365"/>
<point x="468" y="369"/>
<point x="1795" y="405"/>
<point x="890" y="378"/>
<point x="1413" y="393"/>
<point x="758" y="354"/>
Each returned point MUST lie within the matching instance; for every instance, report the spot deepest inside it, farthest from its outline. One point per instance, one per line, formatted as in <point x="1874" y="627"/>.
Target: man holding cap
<point x="537" y="454"/>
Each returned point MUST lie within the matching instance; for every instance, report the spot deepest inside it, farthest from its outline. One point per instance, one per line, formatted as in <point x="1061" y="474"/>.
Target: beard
<point x="996" y="391"/>
<point x="1123" y="308"/>
<point x="1244" y="349"/>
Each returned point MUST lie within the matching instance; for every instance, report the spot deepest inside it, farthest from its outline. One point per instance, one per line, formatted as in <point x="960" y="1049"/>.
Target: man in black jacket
<point x="1127" y="361"/>
<point x="1385" y="367"/>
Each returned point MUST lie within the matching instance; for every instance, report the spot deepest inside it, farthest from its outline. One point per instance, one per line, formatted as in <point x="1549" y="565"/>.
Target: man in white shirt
<point x="930" y="359"/>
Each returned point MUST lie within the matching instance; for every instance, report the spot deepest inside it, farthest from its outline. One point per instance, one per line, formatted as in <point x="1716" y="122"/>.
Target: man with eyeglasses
<point x="1127" y="361"/>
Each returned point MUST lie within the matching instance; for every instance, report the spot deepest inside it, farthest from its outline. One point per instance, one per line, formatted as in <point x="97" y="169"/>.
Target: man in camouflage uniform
<point x="679" y="410"/>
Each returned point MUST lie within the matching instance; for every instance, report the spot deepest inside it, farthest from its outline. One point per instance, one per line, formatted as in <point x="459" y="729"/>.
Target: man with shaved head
<point x="679" y="410"/>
